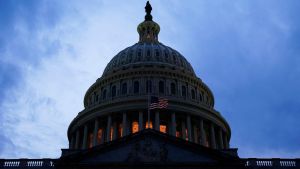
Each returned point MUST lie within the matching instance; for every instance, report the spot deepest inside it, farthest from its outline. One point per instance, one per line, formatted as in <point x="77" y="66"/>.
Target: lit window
<point x="163" y="128"/>
<point x="135" y="127"/>
<point x="120" y="130"/>
<point x="111" y="133"/>
<point x="149" y="126"/>
<point x="186" y="135"/>
<point x="99" y="135"/>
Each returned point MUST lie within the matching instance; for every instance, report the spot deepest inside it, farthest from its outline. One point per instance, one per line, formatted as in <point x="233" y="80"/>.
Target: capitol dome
<point x="118" y="103"/>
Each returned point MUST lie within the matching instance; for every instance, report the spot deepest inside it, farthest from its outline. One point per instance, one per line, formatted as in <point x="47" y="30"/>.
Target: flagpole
<point x="148" y="103"/>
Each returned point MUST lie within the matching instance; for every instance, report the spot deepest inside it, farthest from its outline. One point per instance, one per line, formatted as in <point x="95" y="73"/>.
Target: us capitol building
<point x="119" y="127"/>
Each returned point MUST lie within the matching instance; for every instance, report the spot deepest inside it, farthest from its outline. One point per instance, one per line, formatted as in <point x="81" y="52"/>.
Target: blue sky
<point x="246" y="51"/>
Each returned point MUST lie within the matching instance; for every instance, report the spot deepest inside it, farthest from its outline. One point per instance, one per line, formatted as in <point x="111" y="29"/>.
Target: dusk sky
<point x="246" y="51"/>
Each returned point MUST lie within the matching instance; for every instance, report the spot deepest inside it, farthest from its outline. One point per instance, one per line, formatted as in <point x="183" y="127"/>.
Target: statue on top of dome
<point x="148" y="10"/>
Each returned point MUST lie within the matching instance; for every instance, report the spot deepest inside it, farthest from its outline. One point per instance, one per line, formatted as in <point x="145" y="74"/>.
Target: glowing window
<point x="178" y="134"/>
<point x="135" y="127"/>
<point x="99" y="135"/>
<point x="186" y="135"/>
<point x="120" y="130"/>
<point x="149" y="126"/>
<point x="163" y="128"/>
<point x="111" y="133"/>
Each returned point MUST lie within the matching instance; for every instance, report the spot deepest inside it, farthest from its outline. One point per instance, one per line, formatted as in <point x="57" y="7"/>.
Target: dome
<point x="144" y="54"/>
<point x="120" y="102"/>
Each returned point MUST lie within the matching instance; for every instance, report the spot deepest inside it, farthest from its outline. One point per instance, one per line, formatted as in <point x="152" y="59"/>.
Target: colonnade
<point x="185" y="126"/>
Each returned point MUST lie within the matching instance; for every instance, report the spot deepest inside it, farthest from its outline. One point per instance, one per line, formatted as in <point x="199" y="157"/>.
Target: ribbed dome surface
<point x="148" y="54"/>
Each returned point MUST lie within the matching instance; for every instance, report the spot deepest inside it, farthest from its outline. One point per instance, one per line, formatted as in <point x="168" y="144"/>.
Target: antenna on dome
<point x="148" y="10"/>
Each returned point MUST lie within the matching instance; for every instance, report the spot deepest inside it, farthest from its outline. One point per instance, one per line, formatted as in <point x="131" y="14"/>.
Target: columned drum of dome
<point x="116" y="105"/>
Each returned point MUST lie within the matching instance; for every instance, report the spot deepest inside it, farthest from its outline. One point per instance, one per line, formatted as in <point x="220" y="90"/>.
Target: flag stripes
<point x="158" y="103"/>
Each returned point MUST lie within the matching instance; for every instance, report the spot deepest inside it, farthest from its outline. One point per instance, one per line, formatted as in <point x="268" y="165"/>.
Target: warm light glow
<point x="111" y="133"/>
<point x="120" y="130"/>
<point x="135" y="127"/>
<point x="178" y="134"/>
<point x="90" y="145"/>
<point x="99" y="135"/>
<point x="163" y="128"/>
<point x="147" y="126"/>
<point x="186" y="135"/>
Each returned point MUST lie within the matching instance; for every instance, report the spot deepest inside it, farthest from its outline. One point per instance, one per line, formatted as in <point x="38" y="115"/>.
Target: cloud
<point x="51" y="52"/>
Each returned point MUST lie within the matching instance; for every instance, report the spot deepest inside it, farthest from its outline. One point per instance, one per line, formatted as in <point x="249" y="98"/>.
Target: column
<point x="124" y="125"/>
<point x="114" y="131"/>
<point x="183" y="130"/>
<point x="221" y="144"/>
<point x="189" y="127"/>
<point x="141" y="121"/>
<point x="226" y="145"/>
<point x="108" y="128"/>
<point x="195" y="134"/>
<point x="77" y="140"/>
<point x="173" y="124"/>
<point x="95" y="134"/>
<point x="71" y="146"/>
<point x="202" y="133"/>
<point x="157" y="123"/>
<point x="85" y="133"/>
<point x="212" y="136"/>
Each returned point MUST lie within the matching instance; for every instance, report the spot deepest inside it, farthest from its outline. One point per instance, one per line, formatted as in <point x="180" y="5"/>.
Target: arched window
<point x="183" y="91"/>
<point x="148" y="86"/>
<point x="193" y="94"/>
<point x="124" y="88"/>
<point x="166" y="56"/>
<point x="104" y="94"/>
<point x="136" y="87"/>
<point x="173" y="89"/>
<point x="161" y="87"/>
<point x="113" y="91"/>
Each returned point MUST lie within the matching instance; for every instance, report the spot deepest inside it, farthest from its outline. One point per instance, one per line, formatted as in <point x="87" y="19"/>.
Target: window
<point x="156" y="52"/>
<point x="124" y="88"/>
<point x="104" y="94"/>
<point x="161" y="87"/>
<point x="149" y="126"/>
<point x="95" y="97"/>
<point x="173" y="89"/>
<point x="135" y="127"/>
<point x="99" y="136"/>
<point x="148" y="86"/>
<point x="166" y="55"/>
<point x="163" y="128"/>
<point x="136" y="87"/>
<point x="113" y="91"/>
<point x="183" y="91"/>
<point x="193" y="94"/>
<point x="148" y="53"/>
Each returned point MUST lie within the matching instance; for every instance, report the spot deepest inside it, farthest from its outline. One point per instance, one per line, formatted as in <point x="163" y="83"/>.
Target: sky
<point x="246" y="51"/>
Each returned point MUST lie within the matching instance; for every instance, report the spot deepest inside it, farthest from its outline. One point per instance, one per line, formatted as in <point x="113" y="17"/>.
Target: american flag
<point x="158" y="103"/>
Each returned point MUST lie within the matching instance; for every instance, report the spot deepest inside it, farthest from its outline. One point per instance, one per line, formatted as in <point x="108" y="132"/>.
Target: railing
<point x="271" y="163"/>
<point x="27" y="163"/>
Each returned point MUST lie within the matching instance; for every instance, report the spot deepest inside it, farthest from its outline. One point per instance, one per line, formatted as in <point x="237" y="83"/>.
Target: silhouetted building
<point x="149" y="110"/>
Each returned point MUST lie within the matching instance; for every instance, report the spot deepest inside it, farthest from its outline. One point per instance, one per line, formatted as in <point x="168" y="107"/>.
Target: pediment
<point x="148" y="147"/>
